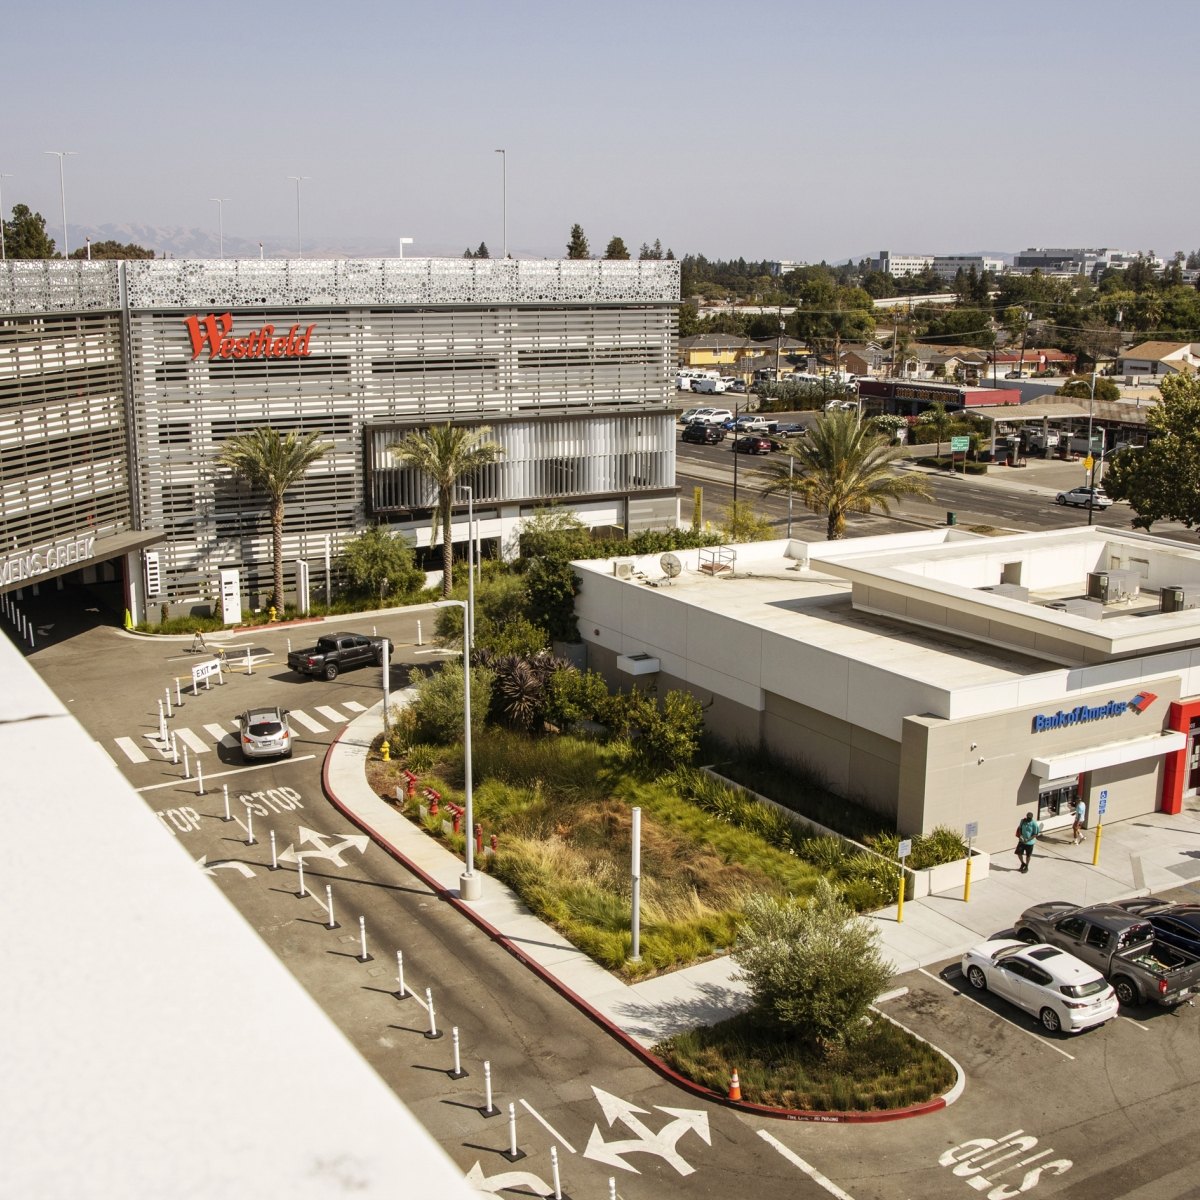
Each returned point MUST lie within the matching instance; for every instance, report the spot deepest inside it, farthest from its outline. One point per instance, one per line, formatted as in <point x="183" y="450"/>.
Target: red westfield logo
<point x="214" y="333"/>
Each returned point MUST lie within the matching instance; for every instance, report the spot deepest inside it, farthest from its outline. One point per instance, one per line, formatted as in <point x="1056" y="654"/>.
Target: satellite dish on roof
<point x="671" y="566"/>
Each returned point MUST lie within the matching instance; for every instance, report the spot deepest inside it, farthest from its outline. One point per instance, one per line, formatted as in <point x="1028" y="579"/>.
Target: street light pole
<point x="3" y="251"/>
<point x="469" y="886"/>
<point x="470" y="613"/>
<point x="299" y="179"/>
<point x="220" y="203"/>
<point x="1091" y="458"/>
<point x="62" y="190"/>
<point x="504" y="199"/>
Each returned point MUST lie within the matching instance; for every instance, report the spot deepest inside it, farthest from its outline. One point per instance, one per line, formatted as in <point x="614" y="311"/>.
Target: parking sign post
<point x="1099" y="825"/>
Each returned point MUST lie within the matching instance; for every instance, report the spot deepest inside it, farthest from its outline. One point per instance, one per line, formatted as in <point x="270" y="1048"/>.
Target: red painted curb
<point x="655" y="1063"/>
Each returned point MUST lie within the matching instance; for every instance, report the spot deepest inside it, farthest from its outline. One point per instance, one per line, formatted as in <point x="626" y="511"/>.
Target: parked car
<point x="714" y="416"/>
<point x="751" y="443"/>
<point x="1085" y="497"/>
<point x="1141" y="966"/>
<point x="265" y="733"/>
<point x="702" y="435"/>
<point x="709" y="386"/>
<point x="1062" y="992"/>
<point x="753" y="423"/>
<point x="786" y="432"/>
<point x="693" y="414"/>
<point x="736" y="386"/>
<point x="338" y="652"/>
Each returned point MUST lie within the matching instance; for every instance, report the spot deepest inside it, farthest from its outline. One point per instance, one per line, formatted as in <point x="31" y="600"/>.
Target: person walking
<point x="1079" y="812"/>
<point x="1027" y="833"/>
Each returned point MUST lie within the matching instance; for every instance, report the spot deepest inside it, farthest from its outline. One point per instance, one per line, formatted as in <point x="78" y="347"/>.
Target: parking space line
<point x="1143" y="1028"/>
<point x="1028" y="1032"/>
<point x="809" y="1170"/>
<point x="537" y="1116"/>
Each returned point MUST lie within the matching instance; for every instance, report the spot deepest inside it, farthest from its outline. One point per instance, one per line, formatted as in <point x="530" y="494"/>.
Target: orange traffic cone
<point x="735" y="1086"/>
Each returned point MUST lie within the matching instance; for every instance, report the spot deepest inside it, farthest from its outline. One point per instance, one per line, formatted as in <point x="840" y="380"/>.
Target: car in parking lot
<point x="751" y="443"/>
<point x="265" y="733"/>
<point x="1085" y="497"/>
<point x="736" y="386"/>
<point x="1178" y="925"/>
<point x="1054" y="986"/>
<point x="712" y="416"/>
<point x="786" y="432"/>
<point x="701" y="434"/>
<point x="691" y="414"/>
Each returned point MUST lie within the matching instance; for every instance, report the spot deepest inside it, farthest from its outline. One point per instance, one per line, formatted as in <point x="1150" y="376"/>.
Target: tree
<point x="1161" y="480"/>
<point x="938" y="422"/>
<point x="111" y="249"/>
<point x="741" y="522"/>
<point x="577" y="247"/>
<point x="1079" y="387"/>
<point x="813" y="968"/>
<point x="842" y="467"/>
<point x="616" y="248"/>
<point x="446" y="453"/>
<point x="382" y="562"/>
<point x="436" y="713"/>
<point x="273" y="463"/>
<point x="550" y="588"/>
<point x="655" y="251"/>
<point x="25" y="235"/>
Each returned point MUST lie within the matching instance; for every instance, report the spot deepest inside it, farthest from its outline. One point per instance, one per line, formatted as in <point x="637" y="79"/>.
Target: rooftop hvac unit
<point x="1010" y="591"/>
<point x="1173" y="598"/>
<point x="1113" y="587"/>
<point x="623" y="568"/>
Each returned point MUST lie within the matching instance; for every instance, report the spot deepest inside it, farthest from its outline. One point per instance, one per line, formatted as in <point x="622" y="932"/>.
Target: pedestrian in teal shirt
<point x="1027" y="833"/>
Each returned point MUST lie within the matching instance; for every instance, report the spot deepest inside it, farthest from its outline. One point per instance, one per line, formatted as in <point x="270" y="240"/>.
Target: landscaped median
<point x="559" y="807"/>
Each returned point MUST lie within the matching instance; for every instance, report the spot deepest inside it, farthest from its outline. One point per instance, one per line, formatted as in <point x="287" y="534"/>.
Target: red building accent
<point x="1175" y="765"/>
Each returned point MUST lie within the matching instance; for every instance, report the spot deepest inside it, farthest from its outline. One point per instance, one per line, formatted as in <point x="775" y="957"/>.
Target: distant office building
<point x="947" y="266"/>
<point x="783" y="266"/>
<point x="902" y="264"/>
<point x="1079" y="260"/>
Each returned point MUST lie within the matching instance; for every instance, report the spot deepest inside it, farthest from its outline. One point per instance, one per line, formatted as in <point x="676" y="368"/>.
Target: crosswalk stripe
<point x="331" y="713"/>
<point x="302" y="718"/>
<point x="223" y="736"/>
<point x="130" y="749"/>
<point x="354" y="706"/>
<point x="188" y="738"/>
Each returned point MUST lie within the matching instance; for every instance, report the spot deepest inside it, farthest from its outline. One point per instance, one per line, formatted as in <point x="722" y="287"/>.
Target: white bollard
<point x="195" y="686"/>
<point x="374" y="631"/>
<point x="249" y="826"/>
<point x="226" y="791"/>
<point x="31" y="644"/>
<point x="419" y="642"/>
<point x="178" y="694"/>
<point x="489" y="1109"/>
<point x="289" y="642"/>
<point x="170" y="714"/>
<point x="300" y="870"/>
<point x="187" y="770"/>
<point x="458" y="1072"/>
<point x="433" y="1029"/>
<point x="362" y="939"/>
<point x="249" y="664"/>
<point x="512" y="1153"/>
<point x="403" y="992"/>
<point x="175" y="754"/>
<point x="199" y="777"/>
<point x="274" y="856"/>
<point x="162" y="724"/>
<point x="612" y="1188"/>
<point x="332" y="924"/>
<point x="554" y="1168"/>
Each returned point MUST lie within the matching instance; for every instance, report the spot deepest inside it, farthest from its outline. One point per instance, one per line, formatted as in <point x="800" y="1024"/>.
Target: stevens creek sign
<point x="41" y="560"/>
<point x="1082" y="713"/>
<point x="215" y="334"/>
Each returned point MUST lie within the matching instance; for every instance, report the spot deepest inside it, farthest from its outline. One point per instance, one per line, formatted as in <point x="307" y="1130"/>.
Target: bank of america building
<point x="119" y="382"/>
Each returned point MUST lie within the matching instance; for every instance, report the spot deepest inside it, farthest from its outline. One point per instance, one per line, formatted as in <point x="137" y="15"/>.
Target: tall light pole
<point x="469" y="886"/>
<point x="470" y="614"/>
<point x="220" y="202"/>
<point x="62" y="190"/>
<point x="1090" y="457"/>
<point x="504" y="199"/>
<point x="299" y="179"/>
<point x="3" y="251"/>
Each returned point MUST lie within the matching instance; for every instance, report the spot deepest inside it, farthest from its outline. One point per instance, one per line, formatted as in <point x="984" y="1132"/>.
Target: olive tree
<point x="813" y="967"/>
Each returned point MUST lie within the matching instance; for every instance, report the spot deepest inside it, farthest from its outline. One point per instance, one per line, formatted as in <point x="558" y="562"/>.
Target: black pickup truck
<point x="337" y="652"/>
<point x="1123" y="947"/>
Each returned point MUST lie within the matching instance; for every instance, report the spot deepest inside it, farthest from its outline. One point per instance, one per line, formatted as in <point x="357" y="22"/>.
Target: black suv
<point x="704" y="435"/>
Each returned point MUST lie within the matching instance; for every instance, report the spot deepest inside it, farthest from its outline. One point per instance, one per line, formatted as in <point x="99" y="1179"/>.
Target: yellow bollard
<point x="1096" y="849"/>
<point x="900" y="901"/>
<point x="967" y="883"/>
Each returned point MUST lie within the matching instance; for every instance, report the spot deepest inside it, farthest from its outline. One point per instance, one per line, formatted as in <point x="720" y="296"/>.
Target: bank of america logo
<point x="1142" y="701"/>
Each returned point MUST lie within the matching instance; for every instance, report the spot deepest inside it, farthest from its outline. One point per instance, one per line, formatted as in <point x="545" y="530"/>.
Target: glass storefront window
<point x="1056" y="798"/>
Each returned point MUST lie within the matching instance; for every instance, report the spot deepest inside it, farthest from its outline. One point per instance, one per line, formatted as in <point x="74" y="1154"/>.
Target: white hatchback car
<point x="1062" y="992"/>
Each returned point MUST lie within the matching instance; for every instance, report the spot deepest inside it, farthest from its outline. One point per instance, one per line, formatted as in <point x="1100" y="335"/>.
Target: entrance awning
<point x="1110" y="754"/>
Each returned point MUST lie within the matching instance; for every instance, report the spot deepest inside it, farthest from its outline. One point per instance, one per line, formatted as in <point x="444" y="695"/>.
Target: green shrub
<point x="437" y="709"/>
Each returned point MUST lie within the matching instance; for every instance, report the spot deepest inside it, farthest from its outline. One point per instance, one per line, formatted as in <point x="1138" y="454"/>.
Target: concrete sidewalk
<point x="1151" y="853"/>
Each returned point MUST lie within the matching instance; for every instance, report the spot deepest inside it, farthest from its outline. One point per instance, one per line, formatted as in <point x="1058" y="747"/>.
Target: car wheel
<point x="331" y="672"/>
<point x="977" y="979"/>
<point x="1050" y="1020"/>
<point x="1126" y="990"/>
<point x="1061" y="500"/>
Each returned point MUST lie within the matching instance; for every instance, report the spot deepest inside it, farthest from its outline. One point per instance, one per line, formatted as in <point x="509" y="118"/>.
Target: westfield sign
<point x="215" y="334"/>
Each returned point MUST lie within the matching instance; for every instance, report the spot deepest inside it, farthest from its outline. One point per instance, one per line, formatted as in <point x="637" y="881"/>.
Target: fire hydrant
<point x="385" y="751"/>
<point x="271" y="613"/>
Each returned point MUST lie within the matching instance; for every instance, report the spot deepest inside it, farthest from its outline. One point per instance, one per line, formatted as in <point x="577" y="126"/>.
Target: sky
<point x="780" y="130"/>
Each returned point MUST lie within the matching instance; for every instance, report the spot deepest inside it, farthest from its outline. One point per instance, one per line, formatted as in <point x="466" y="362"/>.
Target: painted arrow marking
<point x="333" y="853"/>
<point x="507" y="1179"/>
<point x="645" y="1140"/>
<point x="212" y="869"/>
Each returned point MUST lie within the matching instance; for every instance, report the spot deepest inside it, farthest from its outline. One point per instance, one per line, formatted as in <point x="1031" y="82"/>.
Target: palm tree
<point x="939" y="422"/>
<point x="273" y="463"/>
<point x="446" y="453"/>
<point x="842" y="467"/>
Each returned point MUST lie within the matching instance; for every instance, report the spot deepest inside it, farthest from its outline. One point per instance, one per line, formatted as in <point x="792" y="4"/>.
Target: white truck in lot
<point x="708" y="387"/>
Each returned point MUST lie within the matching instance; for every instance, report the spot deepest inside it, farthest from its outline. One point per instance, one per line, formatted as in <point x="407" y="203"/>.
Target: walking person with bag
<point x="1027" y="834"/>
<point x="1079" y="812"/>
